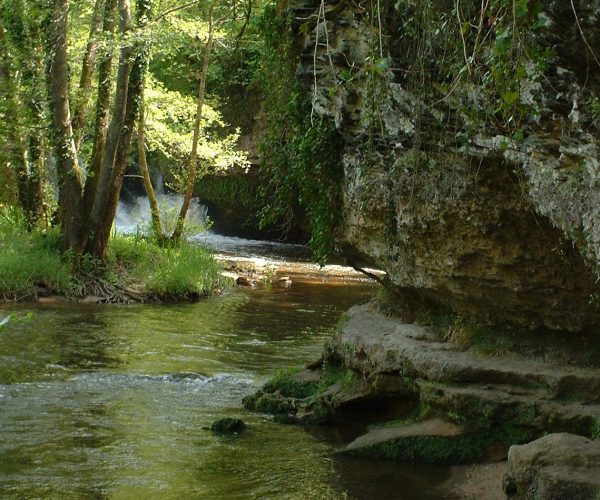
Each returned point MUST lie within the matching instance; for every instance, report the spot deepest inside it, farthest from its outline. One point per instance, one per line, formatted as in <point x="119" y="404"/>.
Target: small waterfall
<point x="133" y="215"/>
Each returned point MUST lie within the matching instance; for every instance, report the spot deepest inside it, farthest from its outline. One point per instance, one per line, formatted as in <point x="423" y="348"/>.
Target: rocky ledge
<point x="422" y="398"/>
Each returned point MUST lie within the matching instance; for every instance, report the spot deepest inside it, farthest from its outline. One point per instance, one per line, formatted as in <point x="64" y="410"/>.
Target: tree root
<point x="105" y="291"/>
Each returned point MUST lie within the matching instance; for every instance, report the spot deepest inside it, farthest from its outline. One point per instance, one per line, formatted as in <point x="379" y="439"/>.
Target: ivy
<point x="485" y="58"/>
<point x="301" y="157"/>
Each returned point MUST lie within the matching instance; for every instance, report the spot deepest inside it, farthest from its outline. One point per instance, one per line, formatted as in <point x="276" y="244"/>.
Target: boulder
<point x="555" y="467"/>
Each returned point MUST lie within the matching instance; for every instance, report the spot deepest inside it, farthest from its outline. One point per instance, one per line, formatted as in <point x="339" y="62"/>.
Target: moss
<point x="321" y="413"/>
<point x="342" y="322"/>
<point x="273" y="404"/>
<point x="595" y="429"/>
<point x="335" y="374"/>
<point x="420" y="412"/>
<point x="430" y="449"/>
<point x="290" y="387"/>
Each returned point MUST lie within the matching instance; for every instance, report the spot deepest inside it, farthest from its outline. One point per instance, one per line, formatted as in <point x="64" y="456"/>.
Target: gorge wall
<point x="471" y="151"/>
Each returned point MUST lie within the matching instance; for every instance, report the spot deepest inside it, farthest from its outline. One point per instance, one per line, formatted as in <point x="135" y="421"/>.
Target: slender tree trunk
<point x="191" y="178"/>
<point x="102" y="118"/>
<point x="154" y="210"/>
<point x="87" y="71"/>
<point x="120" y="133"/>
<point x="69" y="173"/>
<point x="37" y="161"/>
<point x="17" y="154"/>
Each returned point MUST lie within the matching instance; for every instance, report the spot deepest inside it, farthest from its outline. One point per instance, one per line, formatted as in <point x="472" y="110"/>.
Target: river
<point x="100" y="401"/>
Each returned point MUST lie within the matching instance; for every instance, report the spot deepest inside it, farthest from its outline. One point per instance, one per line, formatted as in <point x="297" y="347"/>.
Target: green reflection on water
<point x="113" y="402"/>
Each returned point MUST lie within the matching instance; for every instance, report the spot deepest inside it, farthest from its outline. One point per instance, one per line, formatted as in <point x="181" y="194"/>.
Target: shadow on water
<point x="113" y="402"/>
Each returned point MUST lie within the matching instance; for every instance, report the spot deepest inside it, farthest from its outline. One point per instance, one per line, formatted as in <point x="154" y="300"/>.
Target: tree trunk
<point x="102" y="118"/>
<point x="37" y="160"/>
<point x="118" y="144"/>
<point x="154" y="210"/>
<point x="191" y="178"/>
<point x="95" y="244"/>
<point x="69" y="173"/>
<point x="87" y="71"/>
<point x="13" y="144"/>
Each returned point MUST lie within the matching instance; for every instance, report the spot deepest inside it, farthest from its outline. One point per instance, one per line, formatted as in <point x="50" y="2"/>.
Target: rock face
<point x="483" y="217"/>
<point x="494" y="401"/>
<point x="555" y="467"/>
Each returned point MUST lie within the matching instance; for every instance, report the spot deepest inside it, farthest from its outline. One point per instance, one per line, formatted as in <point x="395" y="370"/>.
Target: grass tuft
<point x="30" y="261"/>
<point x="185" y="271"/>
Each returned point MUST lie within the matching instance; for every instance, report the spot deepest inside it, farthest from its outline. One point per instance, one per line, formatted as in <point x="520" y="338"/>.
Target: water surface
<point x="114" y="402"/>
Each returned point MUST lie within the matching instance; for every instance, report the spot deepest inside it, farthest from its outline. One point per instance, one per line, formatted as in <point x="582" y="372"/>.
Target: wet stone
<point x="227" y="426"/>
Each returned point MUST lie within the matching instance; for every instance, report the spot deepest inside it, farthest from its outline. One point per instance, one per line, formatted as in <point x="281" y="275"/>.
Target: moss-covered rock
<point x="289" y="386"/>
<point x="273" y="404"/>
<point x="228" y="425"/>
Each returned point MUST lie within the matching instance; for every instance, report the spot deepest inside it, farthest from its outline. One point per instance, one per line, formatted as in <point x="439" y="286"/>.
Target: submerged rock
<point x="554" y="467"/>
<point x="185" y="377"/>
<point x="228" y="425"/>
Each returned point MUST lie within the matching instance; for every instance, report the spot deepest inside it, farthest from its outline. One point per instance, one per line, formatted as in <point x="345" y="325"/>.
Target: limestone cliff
<point x="473" y="182"/>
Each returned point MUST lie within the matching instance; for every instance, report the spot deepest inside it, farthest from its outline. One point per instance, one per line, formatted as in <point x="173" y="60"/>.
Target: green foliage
<point x="169" y="133"/>
<point x="300" y="161"/>
<point x="228" y="190"/>
<point x="595" y="430"/>
<point x="493" y="54"/>
<point x="179" y="41"/>
<point x="28" y="260"/>
<point x="335" y="374"/>
<point x="594" y="106"/>
<point x="272" y="404"/>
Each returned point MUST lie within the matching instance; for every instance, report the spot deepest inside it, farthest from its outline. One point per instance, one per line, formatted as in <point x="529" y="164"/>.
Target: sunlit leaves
<point x="169" y="131"/>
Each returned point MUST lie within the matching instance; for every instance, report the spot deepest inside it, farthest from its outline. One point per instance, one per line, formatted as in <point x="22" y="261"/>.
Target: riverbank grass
<point x="185" y="272"/>
<point x="137" y="269"/>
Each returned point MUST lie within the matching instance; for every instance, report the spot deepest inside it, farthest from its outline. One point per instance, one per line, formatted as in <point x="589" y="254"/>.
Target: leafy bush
<point x="301" y="157"/>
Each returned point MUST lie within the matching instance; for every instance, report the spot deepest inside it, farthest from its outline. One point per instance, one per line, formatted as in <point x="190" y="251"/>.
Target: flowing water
<point x="115" y="401"/>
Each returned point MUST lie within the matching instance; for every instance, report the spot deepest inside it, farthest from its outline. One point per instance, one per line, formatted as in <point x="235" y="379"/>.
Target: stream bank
<point x="111" y="401"/>
<point x="420" y="397"/>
